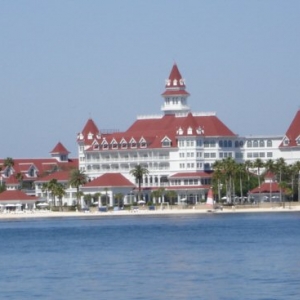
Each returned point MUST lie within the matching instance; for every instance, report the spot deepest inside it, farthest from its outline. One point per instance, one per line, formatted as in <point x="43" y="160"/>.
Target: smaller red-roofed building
<point x="16" y="200"/>
<point x="268" y="191"/>
<point x="109" y="185"/>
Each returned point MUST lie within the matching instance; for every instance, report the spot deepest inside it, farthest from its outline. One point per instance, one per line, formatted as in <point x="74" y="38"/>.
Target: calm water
<point x="237" y="256"/>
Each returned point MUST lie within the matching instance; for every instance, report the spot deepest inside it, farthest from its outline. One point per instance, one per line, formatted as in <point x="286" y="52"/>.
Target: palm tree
<point x="218" y="176"/>
<point x="138" y="172"/>
<point x="171" y="195"/>
<point x="280" y="168"/>
<point x="296" y="166"/>
<point x="19" y="177"/>
<point x="258" y="164"/>
<point x="59" y="191"/>
<point x="8" y="164"/>
<point x="77" y="179"/>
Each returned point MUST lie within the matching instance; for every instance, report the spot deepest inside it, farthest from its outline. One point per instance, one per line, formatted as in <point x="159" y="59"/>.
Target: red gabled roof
<point x="266" y="187"/>
<point x="59" y="176"/>
<point x="15" y="195"/>
<point x="175" y="84"/>
<point x="175" y="77"/>
<point x="293" y="132"/>
<point x="90" y="127"/>
<point x="60" y="148"/>
<point x="12" y="180"/>
<point x="192" y="175"/>
<point x="110" y="180"/>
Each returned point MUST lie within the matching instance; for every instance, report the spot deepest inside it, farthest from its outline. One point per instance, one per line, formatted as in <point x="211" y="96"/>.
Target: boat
<point x="210" y="203"/>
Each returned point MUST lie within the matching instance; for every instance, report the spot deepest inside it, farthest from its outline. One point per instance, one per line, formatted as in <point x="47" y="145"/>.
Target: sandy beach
<point x="140" y="212"/>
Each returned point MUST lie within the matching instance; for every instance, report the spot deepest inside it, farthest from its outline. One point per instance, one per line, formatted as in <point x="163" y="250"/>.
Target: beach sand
<point x="139" y="212"/>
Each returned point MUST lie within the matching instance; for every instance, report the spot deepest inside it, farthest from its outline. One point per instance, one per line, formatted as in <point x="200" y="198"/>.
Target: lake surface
<point x="216" y="256"/>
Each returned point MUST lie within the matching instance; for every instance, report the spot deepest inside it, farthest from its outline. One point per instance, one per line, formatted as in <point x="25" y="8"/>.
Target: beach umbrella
<point x="42" y="204"/>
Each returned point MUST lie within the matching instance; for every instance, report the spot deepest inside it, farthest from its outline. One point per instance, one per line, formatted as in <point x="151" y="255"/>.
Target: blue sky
<point x="62" y="62"/>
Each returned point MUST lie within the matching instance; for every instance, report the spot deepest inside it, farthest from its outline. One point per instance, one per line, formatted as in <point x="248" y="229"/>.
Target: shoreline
<point x="144" y="212"/>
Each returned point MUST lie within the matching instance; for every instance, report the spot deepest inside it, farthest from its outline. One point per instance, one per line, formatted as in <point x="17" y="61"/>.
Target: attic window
<point x="298" y="141"/>
<point x="105" y="146"/>
<point x="190" y="130"/>
<point x="143" y="144"/>
<point x="174" y="82"/>
<point x="286" y="142"/>
<point x="114" y="145"/>
<point x="96" y="147"/>
<point x="124" y="145"/>
<point x="180" y="131"/>
<point x="166" y="143"/>
<point x="133" y="145"/>
<point x="90" y="136"/>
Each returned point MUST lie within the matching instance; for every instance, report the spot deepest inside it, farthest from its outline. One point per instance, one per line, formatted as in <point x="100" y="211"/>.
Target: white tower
<point x="175" y="95"/>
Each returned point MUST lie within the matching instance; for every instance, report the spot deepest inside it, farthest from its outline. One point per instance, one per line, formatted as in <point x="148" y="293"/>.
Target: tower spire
<point x="175" y="96"/>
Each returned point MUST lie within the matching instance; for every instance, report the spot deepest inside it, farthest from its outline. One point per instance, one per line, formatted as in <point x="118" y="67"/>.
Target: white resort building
<point x="177" y="147"/>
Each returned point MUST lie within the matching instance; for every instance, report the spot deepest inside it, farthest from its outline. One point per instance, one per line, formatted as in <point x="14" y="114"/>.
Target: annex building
<point x="178" y="147"/>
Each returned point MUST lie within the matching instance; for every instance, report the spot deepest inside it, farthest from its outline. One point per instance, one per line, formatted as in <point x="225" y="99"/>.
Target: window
<point x="261" y="143"/>
<point x="206" y="144"/>
<point x="212" y="143"/>
<point x="229" y="144"/>
<point x="261" y="154"/>
<point x="236" y="144"/>
<point x="225" y="144"/>
<point x="166" y="143"/>
<point x="269" y="154"/>
<point x="199" y="143"/>
<point x="206" y="155"/>
<point x="249" y="155"/>
<point x="255" y="143"/>
<point x="213" y="155"/>
<point x="249" y="144"/>
<point x="220" y="144"/>
<point x="269" y="143"/>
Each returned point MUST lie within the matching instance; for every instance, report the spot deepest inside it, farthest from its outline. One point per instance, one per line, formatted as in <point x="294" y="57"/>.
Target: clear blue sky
<point x="62" y="62"/>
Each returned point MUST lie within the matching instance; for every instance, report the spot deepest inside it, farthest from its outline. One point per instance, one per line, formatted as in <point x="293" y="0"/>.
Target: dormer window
<point x="190" y="130"/>
<point x="286" y="142"/>
<point x="143" y="143"/>
<point x="133" y="143"/>
<point x="180" y="131"/>
<point x="90" y="136"/>
<point x="114" y="144"/>
<point x="166" y="142"/>
<point x="174" y="82"/>
<point x="104" y="145"/>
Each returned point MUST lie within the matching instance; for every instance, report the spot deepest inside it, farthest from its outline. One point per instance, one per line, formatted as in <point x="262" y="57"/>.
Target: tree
<point x="78" y="178"/>
<point x="19" y="177"/>
<point x="55" y="189"/>
<point x="59" y="191"/>
<point x="258" y="164"/>
<point x="138" y="172"/>
<point x="8" y="164"/>
<point x="280" y="168"/>
<point x="171" y="195"/>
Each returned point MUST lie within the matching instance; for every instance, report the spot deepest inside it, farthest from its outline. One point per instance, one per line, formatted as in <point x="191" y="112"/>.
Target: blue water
<point x="217" y="256"/>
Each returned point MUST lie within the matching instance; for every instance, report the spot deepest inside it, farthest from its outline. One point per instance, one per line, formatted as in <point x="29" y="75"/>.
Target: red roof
<point x="110" y="180"/>
<point x="11" y="180"/>
<point x="90" y="127"/>
<point x="60" y="148"/>
<point x="266" y="187"/>
<point x="15" y="195"/>
<point x="192" y="175"/>
<point x="59" y="176"/>
<point x="175" y="78"/>
<point x="293" y="132"/>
